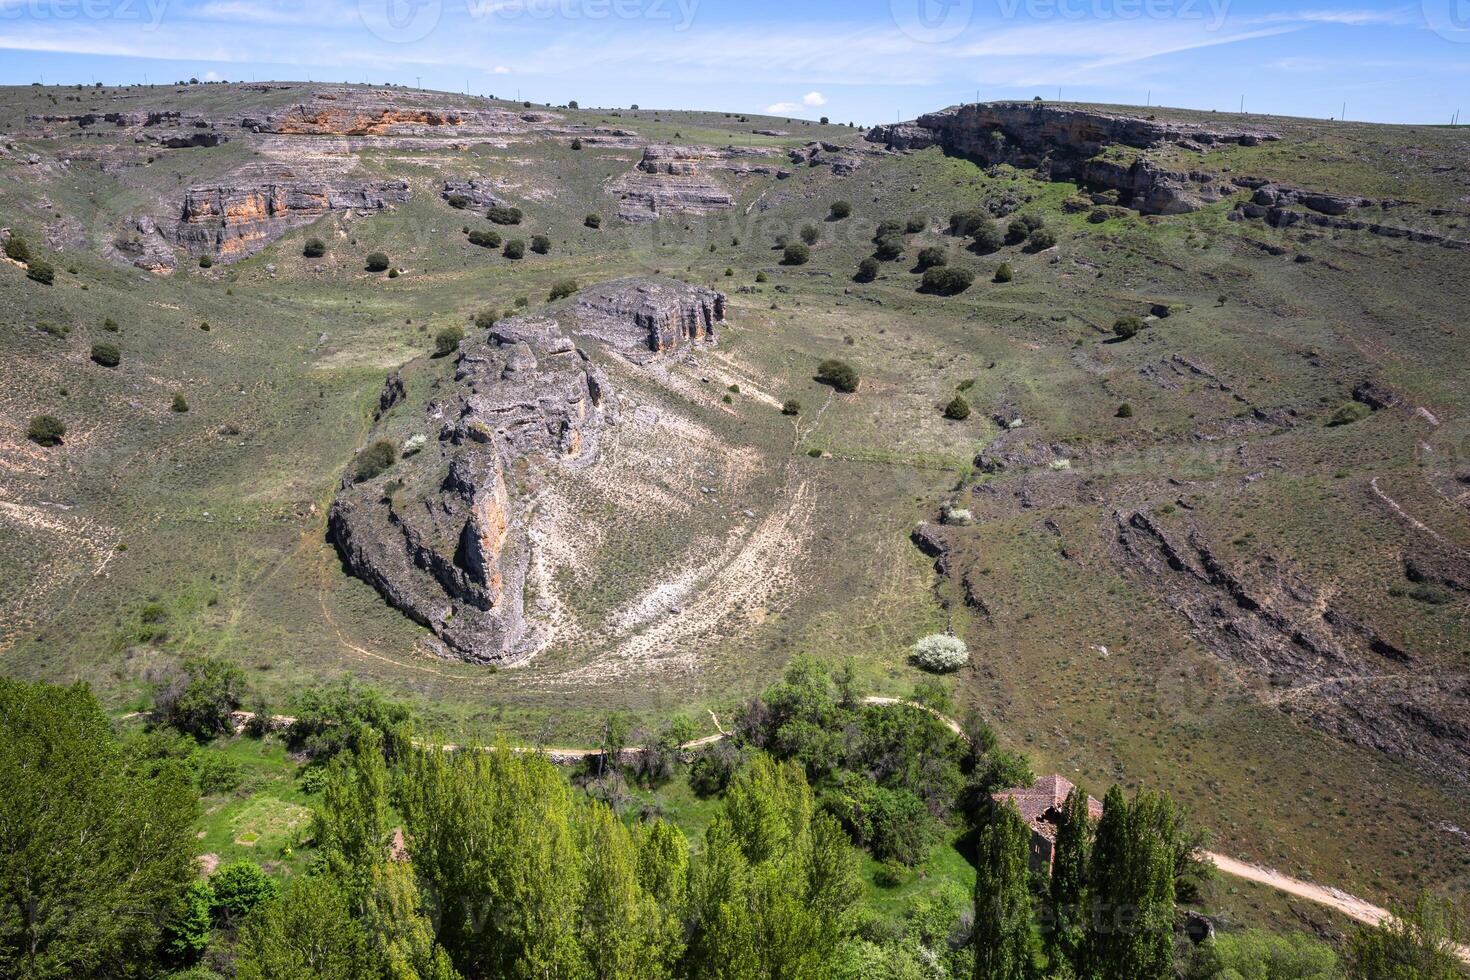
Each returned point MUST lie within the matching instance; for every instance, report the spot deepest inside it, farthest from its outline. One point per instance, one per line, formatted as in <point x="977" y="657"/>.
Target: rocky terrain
<point x="1188" y="466"/>
<point x="445" y="534"/>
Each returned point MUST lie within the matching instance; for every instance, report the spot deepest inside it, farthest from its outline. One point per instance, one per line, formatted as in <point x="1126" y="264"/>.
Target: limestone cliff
<point x="443" y="535"/>
<point x="1074" y="144"/>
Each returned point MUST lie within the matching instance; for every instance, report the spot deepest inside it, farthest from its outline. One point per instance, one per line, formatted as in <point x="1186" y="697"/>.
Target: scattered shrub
<point x="593" y="221"/>
<point x="1125" y="411"/>
<point x="1127" y="327"/>
<point x="841" y="210"/>
<point x="206" y="261"/>
<point x="932" y="257"/>
<point x="458" y="201"/>
<point x="314" y="248"/>
<point x="204" y="326"/>
<point x="446" y="341"/>
<point x="967" y="222"/>
<point x="1003" y="273"/>
<point x="1349" y="413"/>
<point x="576" y="143"/>
<point x="374" y="461"/>
<point x="796" y="254"/>
<point x="988" y="238"/>
<point x="41" y="271"/>
<point x="1032" y="221"/>
<point x="839" y="374"/>
<point x="46" y="430"/>
<point x="889" y="249"/>
<point x="941" y="653"/>
<point x="867" y="270"/>
<point x="377" y="262"/>
<point x="180" y="404"/>
<point x="485" y="239"/>
<point x="110" y="325"/>
<point x="1040" y="240"/>
<point x="540" y="244"/>
<point x="887" y="228"/>
<point x="958" y="409"/>
<point x="916" y="224"/>
<point x="392" y="273"/>
<point x="17" y="249"/>
<point x="515" y="249"/>
<point x="810" y="234"/>
<point x="485" y="319"/>
<point x="106" y="355"/>
<point x="503" y="214"/>
<point x="947" y="281"/>
<point x="561" y="289"/>
<point x="57" y="330"/>
<point x="791" y="407"/>
<point x="762" y="277"/>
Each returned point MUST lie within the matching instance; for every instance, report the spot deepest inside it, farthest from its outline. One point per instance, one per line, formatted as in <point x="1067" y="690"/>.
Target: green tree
<point x="1132" y="882"/>
<point x="958" y="408"/>
<point x="351" y="827"/>
<point x="1127" y="327"/>
<point x="314" y="248"/>
<point x="1417" y="943"/>
<point x="377" y="262"/>
<point x="201" y="699"/>
<point x="796" y="253"/>
<point x="1004" y="936"/>
<point x="1067" y="889"/>
<point x="840" y="210"/>
<point x="839" y="374"/>
<point x="447" y="341"/>
<point x="620" y="926"/>
<point x="186" y="933"/>
<point x="46" y="430"/>
<point x="494" y="840"/>
<point x="239" y="887"/>
<point x="399" y="934"/>
<point x="93" y="857"/>
<point x="1254" y="954"/>
<point x="308" y="931"/>
<point x="867" y="270"/>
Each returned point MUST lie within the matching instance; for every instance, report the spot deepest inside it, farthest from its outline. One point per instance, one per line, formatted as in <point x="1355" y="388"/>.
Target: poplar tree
<point x="1067" y="891"/>
<point x="307" y="931"/>
<point x="1004" y="937"/>
<point x="1132" y="883"/>
<point x="619" y="925"/>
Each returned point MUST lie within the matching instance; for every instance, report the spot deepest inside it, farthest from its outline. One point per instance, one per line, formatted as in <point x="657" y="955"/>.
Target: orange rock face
<point x="345" y="122"/>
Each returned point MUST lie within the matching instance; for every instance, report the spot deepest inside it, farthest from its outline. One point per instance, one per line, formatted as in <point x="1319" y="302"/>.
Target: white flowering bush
<point x="941" y="653"/>
<point x="414" y="444"/>
<point x="958" y="516"/>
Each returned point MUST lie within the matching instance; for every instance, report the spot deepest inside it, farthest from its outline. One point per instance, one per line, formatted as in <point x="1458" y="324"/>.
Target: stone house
<point x="1041" y="807"/>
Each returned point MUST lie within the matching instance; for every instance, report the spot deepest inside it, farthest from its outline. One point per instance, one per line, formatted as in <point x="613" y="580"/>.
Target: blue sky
<point x="863" y="60"/>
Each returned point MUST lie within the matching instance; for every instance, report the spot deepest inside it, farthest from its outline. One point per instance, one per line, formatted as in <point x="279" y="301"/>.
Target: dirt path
<point x="1349" y="905"/>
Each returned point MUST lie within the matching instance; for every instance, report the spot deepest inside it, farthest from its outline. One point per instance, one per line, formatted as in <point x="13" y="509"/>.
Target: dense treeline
<point x="427" y="864"/>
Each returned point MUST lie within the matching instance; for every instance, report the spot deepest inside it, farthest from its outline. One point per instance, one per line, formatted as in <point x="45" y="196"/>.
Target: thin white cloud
<point x="814" y="99"/>
<point x="782" y="108"/>
<point x="500" y="70"/>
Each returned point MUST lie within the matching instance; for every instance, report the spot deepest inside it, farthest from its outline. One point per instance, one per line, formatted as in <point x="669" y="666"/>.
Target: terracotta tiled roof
<point x="1041" y="803"/>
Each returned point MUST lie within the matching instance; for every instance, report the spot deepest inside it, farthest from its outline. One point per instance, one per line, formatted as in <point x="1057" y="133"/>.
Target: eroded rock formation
<point x="1070" y="144"/>
<point x="444" y="533"/>
<point x="236" y="220"/>
<point x="671" y="179"/>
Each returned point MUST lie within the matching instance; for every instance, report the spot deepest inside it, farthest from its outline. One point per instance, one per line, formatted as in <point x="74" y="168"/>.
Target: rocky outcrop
<point x="671" y="179"/>
<point x="444" y="534"/>
<point x="1274" y="206"/>
<point x="479" y="192"/>
<point x="142" y="246"/>
<point x="233" y="221"/>
<point x="1323" y="665"/>
<point x="1073" y="144"/>
<point x="641" y="315"/>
